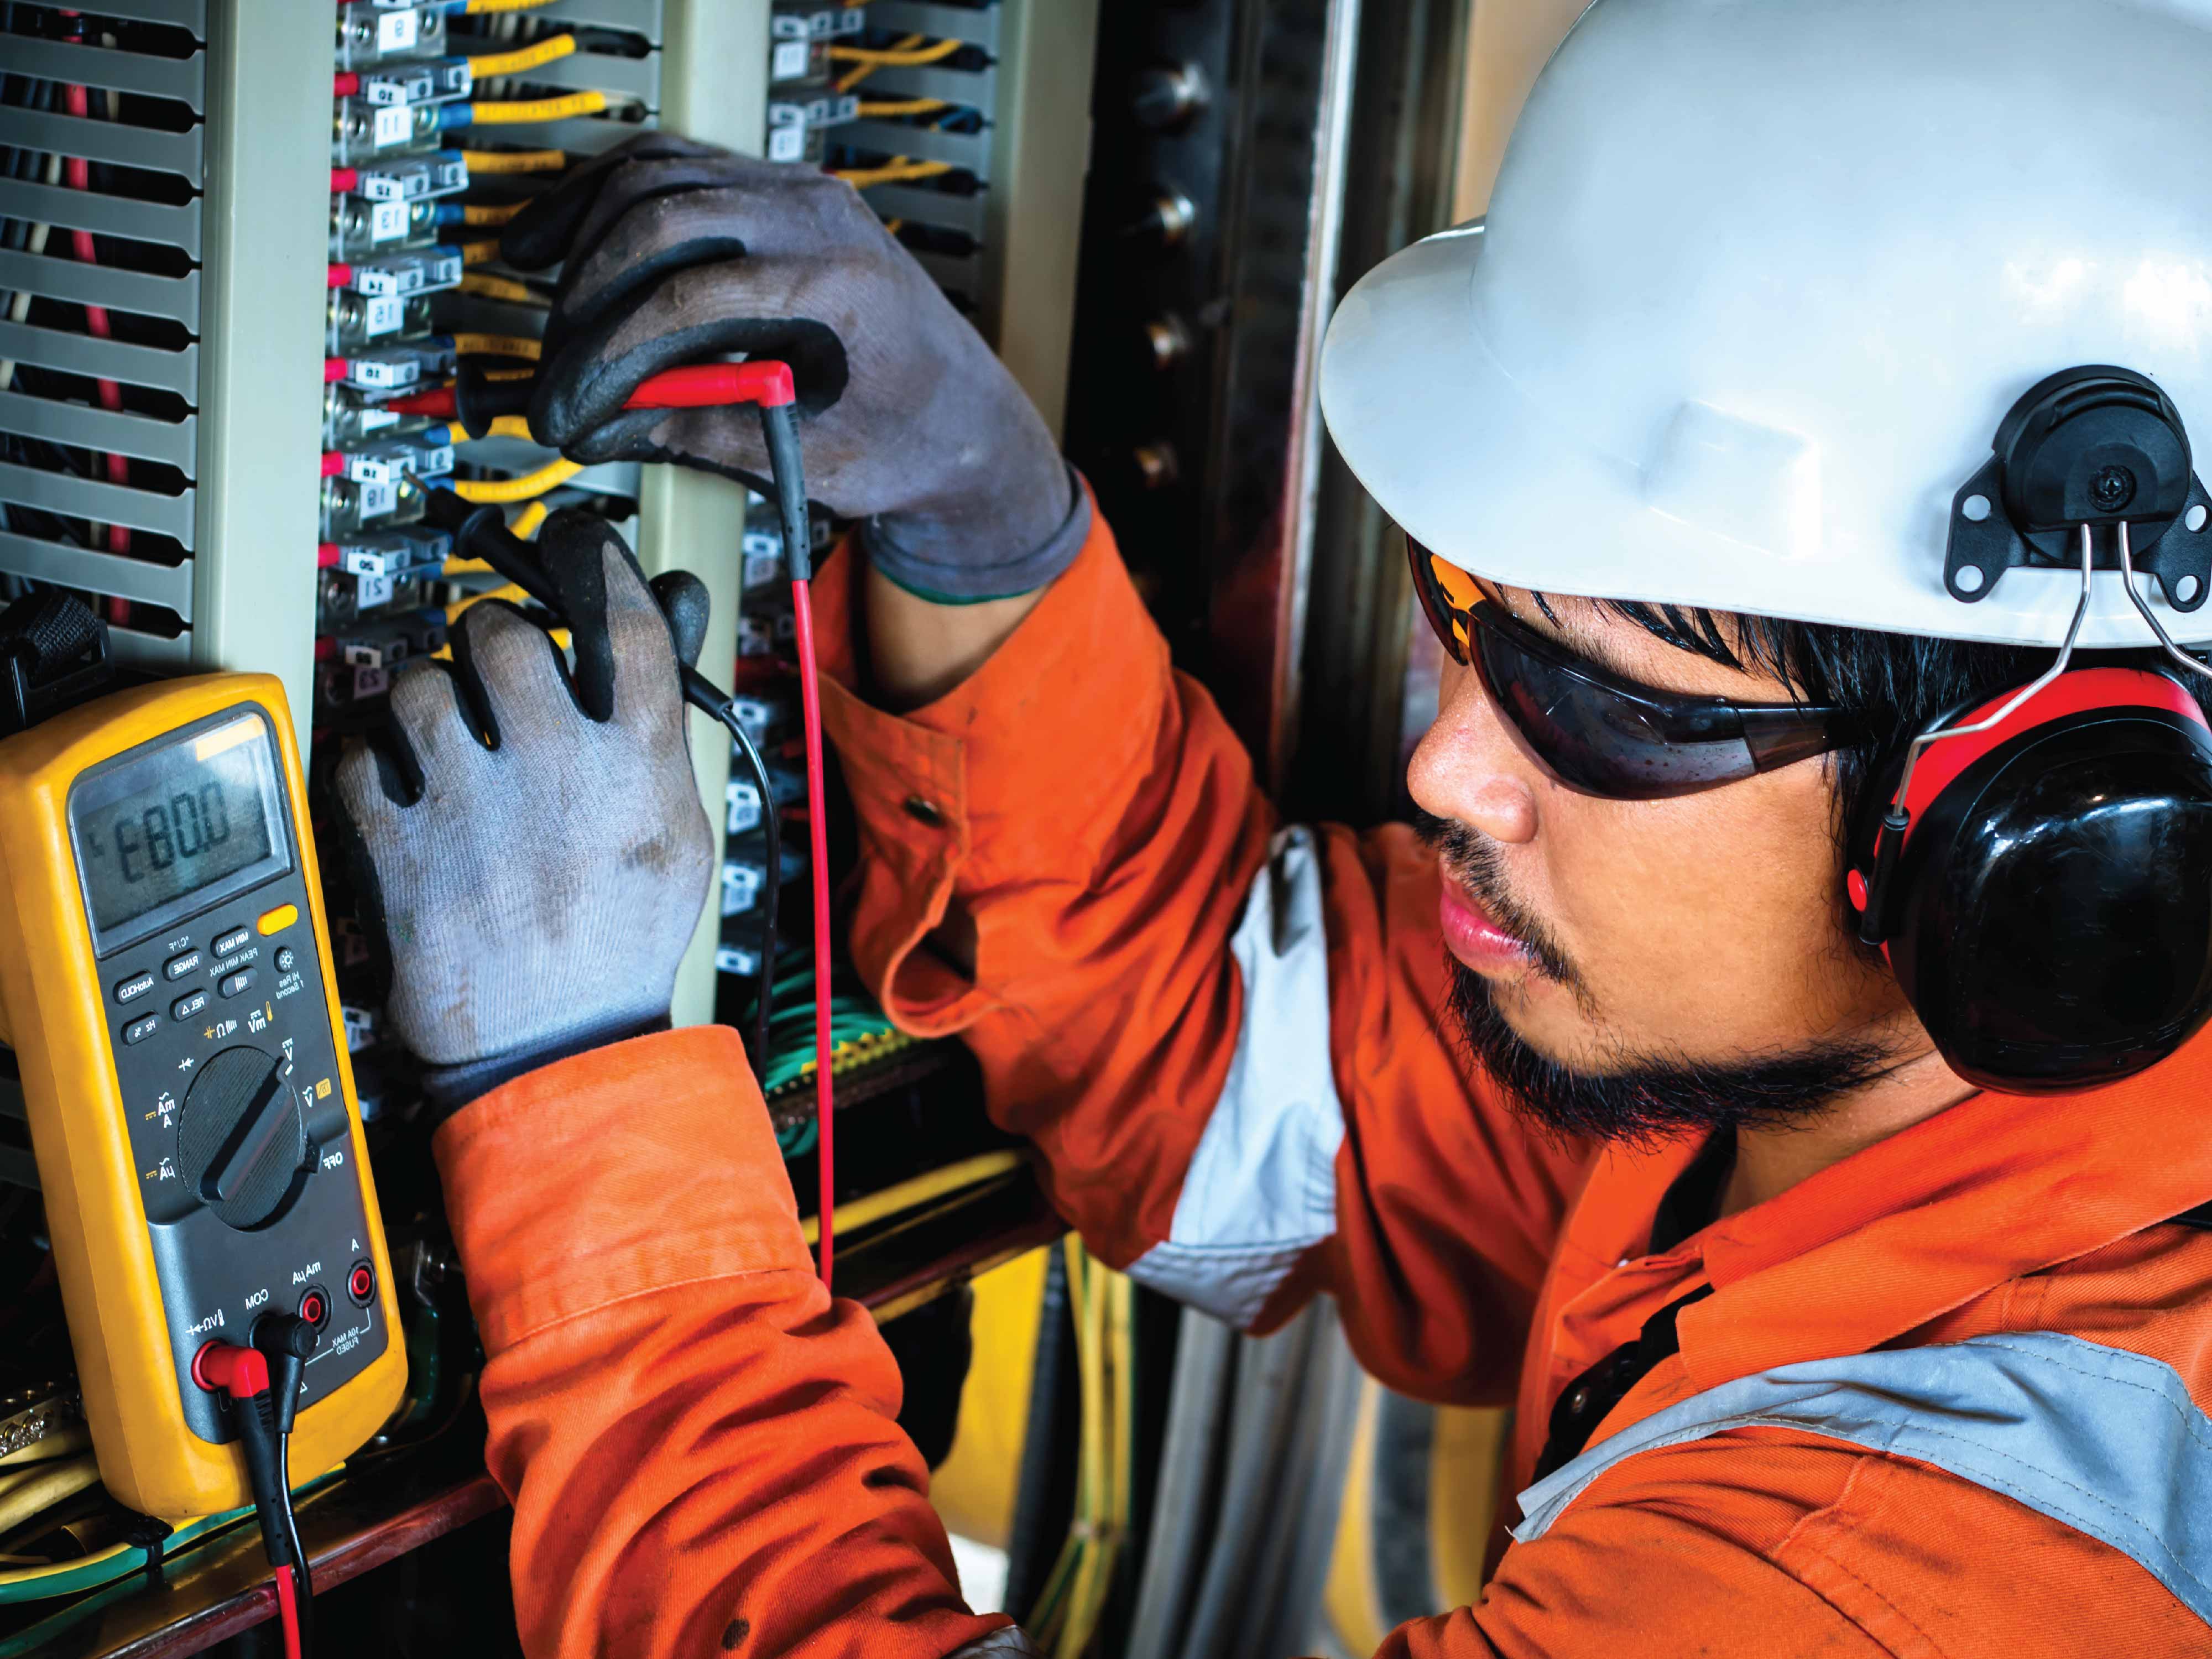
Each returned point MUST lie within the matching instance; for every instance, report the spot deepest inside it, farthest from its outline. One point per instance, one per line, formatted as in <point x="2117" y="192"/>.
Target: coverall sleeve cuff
<point x="622" y="1170"/>
<point x="999" y="765"/>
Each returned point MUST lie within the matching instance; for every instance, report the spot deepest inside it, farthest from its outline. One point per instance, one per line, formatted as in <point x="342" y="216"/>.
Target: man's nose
<point x="1468" y="768"/>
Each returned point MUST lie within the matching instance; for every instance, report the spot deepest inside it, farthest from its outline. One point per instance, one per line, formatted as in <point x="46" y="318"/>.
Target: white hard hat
<point x="1760" y="281"/>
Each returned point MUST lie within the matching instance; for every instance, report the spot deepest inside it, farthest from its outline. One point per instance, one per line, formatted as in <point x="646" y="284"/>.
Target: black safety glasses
<point x="1598" y="732"/>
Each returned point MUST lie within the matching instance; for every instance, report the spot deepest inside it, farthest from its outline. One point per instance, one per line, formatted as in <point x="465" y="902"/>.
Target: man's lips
<point x="1472" y="937"/>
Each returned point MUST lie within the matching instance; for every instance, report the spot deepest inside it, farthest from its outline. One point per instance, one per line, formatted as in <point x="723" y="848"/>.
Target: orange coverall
<point x="699" y="1443"/>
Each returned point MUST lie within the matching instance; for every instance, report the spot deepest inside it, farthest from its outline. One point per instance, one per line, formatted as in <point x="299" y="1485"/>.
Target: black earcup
<point x="2054" y="902"/>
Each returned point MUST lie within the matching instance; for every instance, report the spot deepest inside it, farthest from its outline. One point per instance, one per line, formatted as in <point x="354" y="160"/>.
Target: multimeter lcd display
<point x="198" y="813"/>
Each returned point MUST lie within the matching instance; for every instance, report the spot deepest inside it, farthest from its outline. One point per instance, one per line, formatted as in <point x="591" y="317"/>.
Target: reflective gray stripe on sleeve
<point x="2107" y="1442"/>
<point x="1261" y="1187"/>
<point x="999" y="1645"/>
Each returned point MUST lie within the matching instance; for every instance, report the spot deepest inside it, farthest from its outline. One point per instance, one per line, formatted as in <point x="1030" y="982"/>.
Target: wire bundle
<point x="1073" y="1600"/>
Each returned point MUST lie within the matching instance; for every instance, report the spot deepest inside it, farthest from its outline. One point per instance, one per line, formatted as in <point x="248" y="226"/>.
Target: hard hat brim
<point x="1724" y="513"/>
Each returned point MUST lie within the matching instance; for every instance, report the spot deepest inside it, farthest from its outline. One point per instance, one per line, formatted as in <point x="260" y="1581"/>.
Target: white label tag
<point x="382" y="314"/>
<point x="380" y="187"/>
<point x="397" y="32"/>
<point x="369" y="469"/>
<point x="378" y="499"/>
<point x="375" y="420"/>
<point x="372" y="589"/>
<point x="363" y="560"/>
<point x="393" y="126"/>
<point x="369" y="279"/>
<point x="386" y="220"/>
<point x="788" y="61"/>
<point x="787" y="143"/>
<point x="435" y="463"/>
<point x="370" y="682"/>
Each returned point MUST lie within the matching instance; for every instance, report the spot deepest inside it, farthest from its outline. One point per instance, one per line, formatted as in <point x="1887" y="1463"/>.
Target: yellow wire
<point x="498" y="345"/>
<point x="506" y="113"/>
<point x="489" y="213"/>
<point x="901" y="106"/>
<point x="502" y="426"/>
<point x="891" y="173"/>
<point x="891" y="227"/>
<point x="544" y="51"/>
<point x="509" y="591"/>
<point x="854" y="78"/>
<point x="467" y="566"/>
<point x="515" y="161"/>
<point x="525" y="523"/>
<point x="896" y="56"/>
<point x="479" y="252"/>
<point x="501" y="491"/>
<point x="41" y="1485"/>
<point x="486" y="286"/>
<point x="481" y="6"/>
<point x="913" y="1195"/>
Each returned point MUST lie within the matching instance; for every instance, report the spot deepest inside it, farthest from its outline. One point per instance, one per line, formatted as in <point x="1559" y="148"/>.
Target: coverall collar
<point x="1994" y="1187"/>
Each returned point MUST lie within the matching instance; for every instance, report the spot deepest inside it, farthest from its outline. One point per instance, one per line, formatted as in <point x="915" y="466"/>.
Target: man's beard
<point x="1635" y="1100"/>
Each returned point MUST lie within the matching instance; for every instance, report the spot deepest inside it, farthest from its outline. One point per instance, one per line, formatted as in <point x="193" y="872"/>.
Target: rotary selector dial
<point x="240" y="1142"/>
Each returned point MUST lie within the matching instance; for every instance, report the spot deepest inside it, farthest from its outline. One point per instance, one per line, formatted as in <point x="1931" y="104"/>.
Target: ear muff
<point x="2048" y="909"/>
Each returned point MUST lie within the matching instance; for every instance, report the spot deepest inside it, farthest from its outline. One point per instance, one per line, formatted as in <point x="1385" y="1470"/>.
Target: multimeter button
<point x="241" y="981"/>
<point x="185" y="1007"/>
<point x="235" y="940"/>
<point x="276" y="921"/>
<point x="178" y="967"/>
<point x="361" y="1283"/>
<point x="129" y="990"/>
<point x="139" y="1029"/>
<point x="285" y="958"/>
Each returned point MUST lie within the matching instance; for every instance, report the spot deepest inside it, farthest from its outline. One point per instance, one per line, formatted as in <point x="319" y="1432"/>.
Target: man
<point x="1661" y="1151"/>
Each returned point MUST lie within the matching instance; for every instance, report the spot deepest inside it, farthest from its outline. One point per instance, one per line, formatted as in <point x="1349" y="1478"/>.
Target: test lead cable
<point x="768" y="386"/>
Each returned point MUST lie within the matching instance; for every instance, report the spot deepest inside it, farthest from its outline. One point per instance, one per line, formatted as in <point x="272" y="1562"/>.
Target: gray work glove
<point x="541" y="887"/>
<point x="677" y="251"/>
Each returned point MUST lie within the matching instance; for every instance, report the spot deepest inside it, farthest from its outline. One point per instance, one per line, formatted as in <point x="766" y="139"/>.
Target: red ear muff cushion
<point x="2081" y="691"/>
<point x="2055" y="928"/>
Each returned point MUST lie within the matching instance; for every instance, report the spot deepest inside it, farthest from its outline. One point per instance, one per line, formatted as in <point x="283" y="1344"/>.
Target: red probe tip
<point x="706" y="386"/>
<point x="224" y="1366"/>
<point x="438" y="400"/>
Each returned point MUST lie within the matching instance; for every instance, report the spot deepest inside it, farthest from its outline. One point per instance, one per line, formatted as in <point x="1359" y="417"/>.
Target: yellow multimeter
<point x="165" y="984"/>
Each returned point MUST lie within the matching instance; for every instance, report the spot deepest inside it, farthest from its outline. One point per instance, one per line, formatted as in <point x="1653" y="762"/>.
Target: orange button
<point x="276" y="921"/>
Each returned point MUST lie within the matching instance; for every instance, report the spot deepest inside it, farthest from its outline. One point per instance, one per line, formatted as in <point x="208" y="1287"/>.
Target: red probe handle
<point x="703" y="385"/>
<point x="220" y="1367"/>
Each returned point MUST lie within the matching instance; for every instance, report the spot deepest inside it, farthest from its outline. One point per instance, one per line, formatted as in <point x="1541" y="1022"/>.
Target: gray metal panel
<point x="103" y="141"/>
<point x="640" y="16"/>
<point x="938" y="22"/>
<point x="150" y="650"/>
<point x="632" y="77"/>
<point x="267" y="214"/>
<point x="102" y="573"/>
<point x="962" y="272"/>
<point x="186" y="14"/>
<point x="112" y="359"/>
<point x="181" y="78"/>
<point x="110" y="216"/>
<point x="99" y="500"/>
<point x="102" y="428"/>
<point x="976" y="86"/>
<point x="176" y="297"/>
<point x="971" y="150"/>
<point x="928" y="207"/>
<point x="582" y="135"/>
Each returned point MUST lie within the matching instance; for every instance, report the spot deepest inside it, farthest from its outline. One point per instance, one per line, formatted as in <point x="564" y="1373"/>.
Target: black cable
<point x="702" y="693"/>
<point x="303" y="1587"/>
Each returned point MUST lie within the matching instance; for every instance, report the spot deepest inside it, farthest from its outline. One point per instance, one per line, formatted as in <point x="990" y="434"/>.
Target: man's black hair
<point x="1894" y="683"/>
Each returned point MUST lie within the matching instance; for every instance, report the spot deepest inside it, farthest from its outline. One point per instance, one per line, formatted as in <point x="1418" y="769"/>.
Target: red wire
<point x="287" y="1613"/>
<point x="818" y="836"/>
<point x="78" y="103"/>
